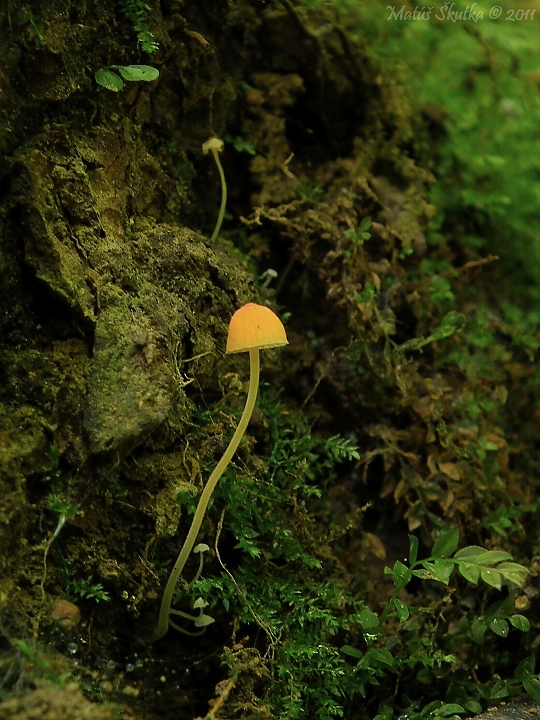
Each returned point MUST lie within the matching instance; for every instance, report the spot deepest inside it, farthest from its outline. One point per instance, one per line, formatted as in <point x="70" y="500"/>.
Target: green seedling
<point x="132" y="73"/>
<point x="241" y="145"/>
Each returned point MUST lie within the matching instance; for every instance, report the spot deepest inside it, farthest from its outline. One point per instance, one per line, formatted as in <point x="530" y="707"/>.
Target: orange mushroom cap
<point x="255" y="326"/>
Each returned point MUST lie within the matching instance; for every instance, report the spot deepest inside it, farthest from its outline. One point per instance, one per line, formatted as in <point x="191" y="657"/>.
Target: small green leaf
<point x="469" y="551"/>
<point x="369" y="620"/>
<point x="425" y="676"/>
<point x="520" y="622"/>
<point x="500" y="690"/>
<point x="482" y="556"/>
<point x="525" y="668"/>
<point x="478" y="630"/>
<point x="532" y="686"/>
<point x="516" y="579"/>
<point x="352" y="651"/>
<point x="400" y="573"/>
<point x="491" y="557"/>
<point x="365" y="225"/>
<point x="413" y="549"/>
<point x="355" y="350"/>
<point x="473" y="706"/>
<point x="381" y="655"/>
<point x="440" y="570"/>
<point x="450" y="709"/>
<point x="491" y="577"/>
<point x="402" y="609"/>
<point x="499" y="627"/>
<point x="513" y="572"/>
<point x="452" y="322"/>
<point x="443" y="569"/>
<point x="134" y="73"/>
<point x="513" y="567"/>
<point x="469" y="571"/>
<point x="109" y="80"/>
<point x="384" y="712"/>
<point x="446" y="543"/>
<point x="368" y="294"/>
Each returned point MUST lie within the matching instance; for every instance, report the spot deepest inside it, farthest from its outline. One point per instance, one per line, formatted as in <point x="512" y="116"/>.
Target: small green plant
<point x="87" y="589"/>
<point x="132" y="73"/>
<point x="310" y="193"/>
<point x="504" y="520"/>
<point x="53" y="474"/>
<point x="241" y="145"/>
<point x="497" y="617"/>
<point x="494" y="567"/>
<point x="433" y="710"/>
<point x="136" y="12"/>
<point x="43" y="666"/>
<point x="368" y="294"/>
<point x="183" y="173"/>
<point x="76" y="587"/>
<point x="285" y="583"/>
<point x="32" y="21"/>
<point x="357" y="237"/>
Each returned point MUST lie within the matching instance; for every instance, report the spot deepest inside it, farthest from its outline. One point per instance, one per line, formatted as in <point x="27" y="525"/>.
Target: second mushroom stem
<point x="254" y="368"/>
<point x="223" y="196"/>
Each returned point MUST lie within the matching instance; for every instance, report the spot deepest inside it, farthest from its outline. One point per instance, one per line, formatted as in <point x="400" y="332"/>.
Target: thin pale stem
<point x="223" y="196"/>
<point x="163" y="622"/>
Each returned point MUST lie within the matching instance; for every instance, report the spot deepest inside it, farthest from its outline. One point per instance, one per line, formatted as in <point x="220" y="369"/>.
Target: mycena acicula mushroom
<point x="252" y="328"/>
<point x="215" y="146"/>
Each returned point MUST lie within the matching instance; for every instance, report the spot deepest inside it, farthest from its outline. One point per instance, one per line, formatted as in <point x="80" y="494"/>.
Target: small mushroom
<point x="199" y="550"/>
<point x="252" y="328"/>
<point x="215" y="146"/>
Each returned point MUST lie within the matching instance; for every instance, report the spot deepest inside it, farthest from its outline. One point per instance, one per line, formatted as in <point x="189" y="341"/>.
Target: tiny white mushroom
<point x="201" y="548"/>
<point x="215" y="146"/>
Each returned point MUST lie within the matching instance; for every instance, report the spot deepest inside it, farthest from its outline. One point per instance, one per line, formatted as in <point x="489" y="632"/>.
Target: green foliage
<point x="53" y="475"/>
<point x="451" y="323"/>
<point x="473" y="563"/>
<point x="286" y="586"/>
<point x="310" y="193"/>
<point x="43" y="665"/>
<point x="357" y="237"/>
<point x="367" y="295"/>
<point x="62" y="506"/>
<point x="241" y="145"/>
<point x="83" y="587"/>
<point x="444" y="355"/>
<point x="137" y="11"/>
<point x="504" y="520"/>
<point x="32" y="21"/>
<point x="132" y="73"/>
<point x="475" y="79"/>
